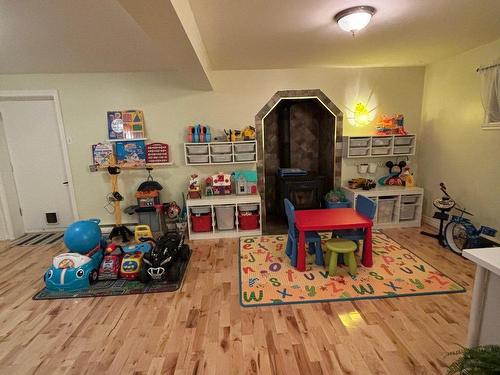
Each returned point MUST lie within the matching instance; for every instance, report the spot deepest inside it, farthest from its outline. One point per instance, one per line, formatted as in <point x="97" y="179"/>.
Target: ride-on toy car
<point x="164" y="260"/>
<point x="110" y="265"/>
<point x="73" y="271"/>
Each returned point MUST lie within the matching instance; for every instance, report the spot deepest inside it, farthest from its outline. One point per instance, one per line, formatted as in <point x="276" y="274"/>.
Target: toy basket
<point x="249" y="221"/>
<point x="225" y="217"/>
<point x="201" y="223"/>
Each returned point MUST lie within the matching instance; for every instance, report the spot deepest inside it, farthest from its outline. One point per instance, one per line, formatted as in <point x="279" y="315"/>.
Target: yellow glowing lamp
<point x="362" y="115"/>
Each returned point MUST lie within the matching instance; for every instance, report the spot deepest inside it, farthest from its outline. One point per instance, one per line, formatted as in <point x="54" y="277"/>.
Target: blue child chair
<point x="312" y="238"/>
<point x="366" y="207"/>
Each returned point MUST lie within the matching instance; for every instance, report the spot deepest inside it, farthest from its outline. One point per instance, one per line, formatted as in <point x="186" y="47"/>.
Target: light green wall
<point x="452" y="147"/>
<point x="169" y="108"/>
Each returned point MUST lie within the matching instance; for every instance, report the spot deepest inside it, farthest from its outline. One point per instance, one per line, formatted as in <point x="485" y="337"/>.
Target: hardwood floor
<point x="203" y="330"/>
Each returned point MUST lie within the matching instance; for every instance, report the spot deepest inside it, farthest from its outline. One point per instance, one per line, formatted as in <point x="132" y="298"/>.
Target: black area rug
<point x="118" y="287"/>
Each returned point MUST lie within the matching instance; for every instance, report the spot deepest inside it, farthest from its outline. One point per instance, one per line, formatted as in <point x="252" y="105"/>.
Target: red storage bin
<point x="201" y="223"/>
<point x="249" y="222"/>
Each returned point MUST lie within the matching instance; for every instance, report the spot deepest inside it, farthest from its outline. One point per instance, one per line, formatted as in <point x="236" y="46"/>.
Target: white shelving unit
<point x="380" y="146"/>
<point x="397" y="206"/>
<point x="214" y="153"/>
<point x="223" y="200"/>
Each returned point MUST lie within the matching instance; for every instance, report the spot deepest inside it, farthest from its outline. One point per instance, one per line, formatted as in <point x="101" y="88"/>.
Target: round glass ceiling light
<point x="355" y="18"/>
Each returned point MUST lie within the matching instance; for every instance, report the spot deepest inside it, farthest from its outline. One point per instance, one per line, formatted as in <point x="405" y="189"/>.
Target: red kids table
<point x="325" y="220"/>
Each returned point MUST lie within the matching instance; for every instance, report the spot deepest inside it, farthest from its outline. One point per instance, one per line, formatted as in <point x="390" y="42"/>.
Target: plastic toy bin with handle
<point x="386" y="206"/>
<point x="201" y="220"/>
<point x="248" y="220"/>
<point x="225" y="217"/>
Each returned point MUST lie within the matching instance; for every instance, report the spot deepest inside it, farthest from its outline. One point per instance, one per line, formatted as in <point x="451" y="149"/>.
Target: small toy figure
<point x="248" y="133"/>
<point x="173" y="210"/>
<point x="194" y="191"/>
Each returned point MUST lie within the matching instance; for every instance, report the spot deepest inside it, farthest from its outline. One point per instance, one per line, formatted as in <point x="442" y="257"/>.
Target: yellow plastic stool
<point x="142" y="231"/>
<point x="338" y="246"/>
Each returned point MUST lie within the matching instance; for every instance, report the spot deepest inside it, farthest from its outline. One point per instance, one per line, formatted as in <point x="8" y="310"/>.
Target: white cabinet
<point x="379" y="146"/>
<point x="220" y="209"/>
<point x="397" y="206"/>
<point x="220" y="153"/>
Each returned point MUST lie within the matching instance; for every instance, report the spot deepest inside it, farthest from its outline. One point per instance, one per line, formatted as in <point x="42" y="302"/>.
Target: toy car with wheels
<point x="111" y="263"/>
<point x="73" y="271"/>
<point x="131" y="265"/>
<point x="165" y="259"/>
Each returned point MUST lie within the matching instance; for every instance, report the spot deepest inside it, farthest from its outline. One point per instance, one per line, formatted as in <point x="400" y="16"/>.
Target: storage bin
<point x="409" y="199"/>
<point x="197" y="149"/>
<point x="382" y="141"/>
<point x="407" y="212"/>
<point x="341" y="204"/>
<point x="248" y="207"/>
<point x="358" y="151"/>
<point x="359" y="142"/>
<point x="223" y="148"/>
<point x="386" y="209"/>
<point x="402" y="150"/>
<point x="224" y="217"/>
<point x="381" y="151"/>
<point x="201" y="223"/>
<point x="222" y="158"/>
<point x="244" y="147"/>
<point x="403" y="141"/>
<point x="245" y="157"/>
<point x="198" y="158"/>
<point x="200" y="210"/>
<point x="248" y="222"/>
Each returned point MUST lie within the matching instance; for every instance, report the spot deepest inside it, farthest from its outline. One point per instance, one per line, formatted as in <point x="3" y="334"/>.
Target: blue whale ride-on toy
<point x="78" y="268"/>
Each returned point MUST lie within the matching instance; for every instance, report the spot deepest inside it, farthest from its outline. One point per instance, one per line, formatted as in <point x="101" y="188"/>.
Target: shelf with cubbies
<point x="379" y="146"/>
<point x="214" y="153"/>
<point x="224" y="216"/>
<point x="397" y="206"/>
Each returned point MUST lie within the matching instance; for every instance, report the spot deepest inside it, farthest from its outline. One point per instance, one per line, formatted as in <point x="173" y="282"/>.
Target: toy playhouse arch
<point x="260" y="133"/>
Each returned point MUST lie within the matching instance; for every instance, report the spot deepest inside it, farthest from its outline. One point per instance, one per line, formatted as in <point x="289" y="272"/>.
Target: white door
<point x="36" y="155"/>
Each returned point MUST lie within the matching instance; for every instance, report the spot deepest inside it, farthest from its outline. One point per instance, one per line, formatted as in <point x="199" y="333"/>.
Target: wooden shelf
<point x="126" y="140"/>
<point x="151" y="165"/>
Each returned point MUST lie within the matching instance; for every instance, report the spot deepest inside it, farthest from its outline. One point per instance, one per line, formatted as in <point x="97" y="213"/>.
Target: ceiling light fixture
<point x="355" y="18"/>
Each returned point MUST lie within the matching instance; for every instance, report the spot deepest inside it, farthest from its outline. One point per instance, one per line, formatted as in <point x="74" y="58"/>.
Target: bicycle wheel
<point x="456" y="237"/>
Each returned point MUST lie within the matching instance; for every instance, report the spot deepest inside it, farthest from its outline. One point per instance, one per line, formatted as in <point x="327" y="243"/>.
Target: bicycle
<point x="459" y="233"/>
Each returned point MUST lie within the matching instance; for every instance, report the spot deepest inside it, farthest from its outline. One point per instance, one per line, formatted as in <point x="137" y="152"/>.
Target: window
<point x="490" y="96"/>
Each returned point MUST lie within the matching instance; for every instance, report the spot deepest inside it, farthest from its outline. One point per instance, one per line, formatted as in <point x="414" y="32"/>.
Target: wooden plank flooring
<point x="203" y="330"/>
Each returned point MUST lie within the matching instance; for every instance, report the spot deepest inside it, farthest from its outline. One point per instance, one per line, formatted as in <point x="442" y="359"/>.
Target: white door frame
<point x="29" y="95"/>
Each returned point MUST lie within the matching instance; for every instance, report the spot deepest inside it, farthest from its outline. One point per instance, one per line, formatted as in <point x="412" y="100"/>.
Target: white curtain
<point x="490" y="96"/>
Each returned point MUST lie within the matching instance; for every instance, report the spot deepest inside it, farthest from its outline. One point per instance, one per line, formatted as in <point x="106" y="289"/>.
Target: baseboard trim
<point x="430" y="221"/>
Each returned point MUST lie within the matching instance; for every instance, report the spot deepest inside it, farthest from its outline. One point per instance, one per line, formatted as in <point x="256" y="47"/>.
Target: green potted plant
<point x="481" y="360"/>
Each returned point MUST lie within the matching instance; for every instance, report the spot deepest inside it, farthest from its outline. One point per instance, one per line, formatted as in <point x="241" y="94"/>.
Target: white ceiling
<point x="65" y="36"/>
<point x="54" y="36"/>
<point x="259" y="34"/>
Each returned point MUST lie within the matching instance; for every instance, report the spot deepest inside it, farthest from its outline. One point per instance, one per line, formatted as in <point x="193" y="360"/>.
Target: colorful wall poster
<point x="157" y="153"/>
<point x="126" y="124"/>
<point x="101" y="154"/>
<point x="131" y="154"/>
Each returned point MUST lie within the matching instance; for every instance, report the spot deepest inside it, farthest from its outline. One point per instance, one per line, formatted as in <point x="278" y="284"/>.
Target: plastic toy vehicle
<point x="73" y="271"/>
<point x="142" y="231"/>
<point x="142" y="247"/>
<point x="164" y="260"/>
<point x="131" y="265"/>
<point x="111" y="263"/>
